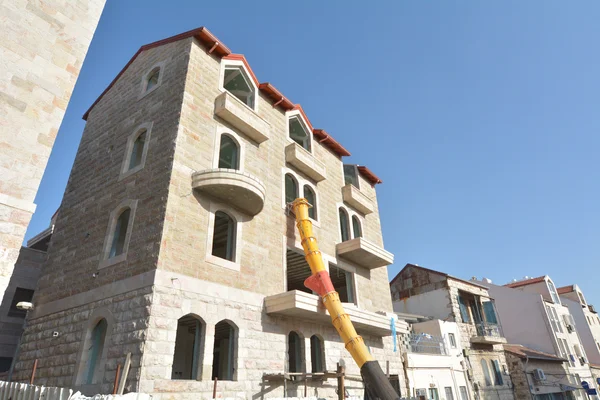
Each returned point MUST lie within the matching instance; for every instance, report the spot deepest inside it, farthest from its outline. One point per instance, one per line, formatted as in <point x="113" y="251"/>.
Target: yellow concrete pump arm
<point x="375" y="381"/>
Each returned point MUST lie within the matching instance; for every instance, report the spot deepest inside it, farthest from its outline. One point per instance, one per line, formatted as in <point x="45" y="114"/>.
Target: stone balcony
<point x="357" y="200"/>
<point x="305" y="162"/>
<point x="242" y="117"/>
<point x="364" y="253"/>
<point x="239" y="189"/>
<point x="484" y="333"/>
<point x="306" y="306"/>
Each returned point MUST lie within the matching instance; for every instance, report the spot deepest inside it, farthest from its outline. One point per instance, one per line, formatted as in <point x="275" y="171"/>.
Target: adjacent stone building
<point x="41" y="52"/>
<point x="174" y="241"/>
<point x="419" y="290"/>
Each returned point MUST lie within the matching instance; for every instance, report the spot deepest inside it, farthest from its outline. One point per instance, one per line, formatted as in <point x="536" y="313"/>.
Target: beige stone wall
<point x="265" y="236"/>
<point x="42" y="49"/>
<point x="521" y="373"/>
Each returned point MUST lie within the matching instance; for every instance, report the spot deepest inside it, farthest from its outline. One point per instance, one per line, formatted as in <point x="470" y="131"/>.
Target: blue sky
<point x="480" y="117"/>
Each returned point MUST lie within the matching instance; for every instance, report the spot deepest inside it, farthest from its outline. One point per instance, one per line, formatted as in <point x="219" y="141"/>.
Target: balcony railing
<point x="426" y="344"/>
<point x="491" y="330"/>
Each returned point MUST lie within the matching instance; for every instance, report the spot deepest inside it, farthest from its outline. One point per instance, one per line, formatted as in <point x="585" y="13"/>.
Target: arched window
<point x="291" y="188"/>
<point x="189" y="341"/>
<point x="356" y="228"/>
<point x="317" y="355"/>
<point x="310" y="196"/>
<point x="229" y="153"/>
<point x="224" y="353"/>
<point x="224" y="236"/>
<point x="152" y="80"/>
<point x="120" y="233"/>
<point x="95" y="351"/>
<point x="344" y="225"/>
<point x="298" y="133"/>
<point x="137" y="149"/>
<point x="486" y="373"/>
<point x="238" y="84"/>
<point x="295" y="353"/>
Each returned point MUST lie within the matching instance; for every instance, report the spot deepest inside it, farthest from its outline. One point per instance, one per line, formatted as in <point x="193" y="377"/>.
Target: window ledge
<point x="305" y="162"/>
<point x="221" y="262"/>
<point x="357" y="199"/>
<point x="238" y="114"/>
<point x="130" y="172"/>
<point x="112" y="261"/>
<point x="147" y="92"/>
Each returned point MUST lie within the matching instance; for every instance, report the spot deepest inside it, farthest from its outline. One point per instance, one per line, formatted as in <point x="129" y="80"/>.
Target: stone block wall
<point x="42" y="50"/>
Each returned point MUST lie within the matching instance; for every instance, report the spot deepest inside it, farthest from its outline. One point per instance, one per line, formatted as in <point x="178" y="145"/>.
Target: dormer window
<point x="299" y="132"/>
<point x="237" y="82"/>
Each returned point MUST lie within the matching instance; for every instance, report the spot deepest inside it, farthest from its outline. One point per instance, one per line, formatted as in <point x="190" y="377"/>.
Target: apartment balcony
<point x="364" y="253"/>
<point x="306" y="306"/>
<point x="423" y="343"/>
<point x="242" y="117"/>
<point x="488" y="334"/>
<point x="305" y="162"/>
<point x="239" y="189"/>
<point x="357" y="200"/>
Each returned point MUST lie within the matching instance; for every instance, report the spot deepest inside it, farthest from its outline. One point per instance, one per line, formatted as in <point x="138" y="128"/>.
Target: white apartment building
<point x="533" y="315"/>
<point x="433" y="360"/>
<point x="586" y="318"/>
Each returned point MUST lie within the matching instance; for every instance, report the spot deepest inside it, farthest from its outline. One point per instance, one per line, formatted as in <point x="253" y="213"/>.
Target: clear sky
<point x="482" y="118"/>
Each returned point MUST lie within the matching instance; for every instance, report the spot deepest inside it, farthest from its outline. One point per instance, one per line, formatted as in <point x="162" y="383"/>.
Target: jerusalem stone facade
<point x="164" y="294"/>
<point x="42" y="49"/>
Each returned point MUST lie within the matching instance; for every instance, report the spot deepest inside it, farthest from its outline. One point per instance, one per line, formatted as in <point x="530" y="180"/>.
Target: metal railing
<point x="485" y="329"/>
<point x="425" y="343"/>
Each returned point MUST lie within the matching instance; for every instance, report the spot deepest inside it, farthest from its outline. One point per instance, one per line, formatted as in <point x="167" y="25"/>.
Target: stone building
<point x="42" y="49"/>
<point x="419" y="290"/>
<point x="536" y="375"/>
<point x="534" y="316"/>
<point x="586" y="320"/>
<point x="175" y="243"/>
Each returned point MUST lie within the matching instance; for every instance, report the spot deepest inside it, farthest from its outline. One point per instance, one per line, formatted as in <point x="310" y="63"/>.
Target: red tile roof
<point x="215" y="46"/>
<point x="526" y="282"/>
<point x="525" y="352"/>
<point x="437" y="273"/>
<point x="565" y="289"/>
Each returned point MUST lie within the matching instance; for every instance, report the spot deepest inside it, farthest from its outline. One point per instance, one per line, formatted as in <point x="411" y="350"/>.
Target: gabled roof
<point x="526" y="282"/>
<point x="213" y="45"/>
<point x="437" y="273"/>
<point x="566" y="289"/>
<point x="525" y="352"/>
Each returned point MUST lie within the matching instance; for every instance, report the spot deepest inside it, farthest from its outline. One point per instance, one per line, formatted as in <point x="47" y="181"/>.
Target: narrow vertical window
<point x="152" y="80"/>
<point x="486" y="373"/>
<point x="229" y="153"/>
<point x="463" y="393"/>
<point x="295" y="359"/>
<point x="344" y="225"/>
<point x="299" y="133"/>
<point x="452" y="340"/>
<point x="95" y="350"/>
<point x="224" y="352"/>
<point x="120" y="233"/>
<point x="188" y="353"/>
<point x="317" y="354"/>
<point x="464" y="312"/>
<point x="351" y="175"/>
<point x="356" y="228"/>
<point x="309" y="195"/>
<point x="224" y="236"/>
<point x="137" y="151"/>
<point x="236" y="82"/>
<point x="552" y="290"/>
<point x="497" y="373"/>
<point x="291" y="188"/>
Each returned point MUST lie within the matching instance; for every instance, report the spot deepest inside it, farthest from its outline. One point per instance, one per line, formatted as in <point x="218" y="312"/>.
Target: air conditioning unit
<point x="539" y="375"/>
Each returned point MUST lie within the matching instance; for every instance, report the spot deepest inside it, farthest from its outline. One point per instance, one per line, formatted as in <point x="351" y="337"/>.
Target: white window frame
<point x="125" y="172"/>
<point x="222" y="130"/>
<point x="301" y="182"/>
<point x="452" y="338"/>
<point x="351" y="213"/>
<point x="97" y="315"/>
<point x="553" y="294"/>
<point x="144" y="82"/>
<point x="297" y="114"/>
<point x="239" y="219"/>
<point x="105" y="261"/>
<point x="238" y="63"/>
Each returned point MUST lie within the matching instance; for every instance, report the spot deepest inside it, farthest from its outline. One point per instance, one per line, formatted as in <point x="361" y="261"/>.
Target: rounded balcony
<point x="238" y="189"/>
